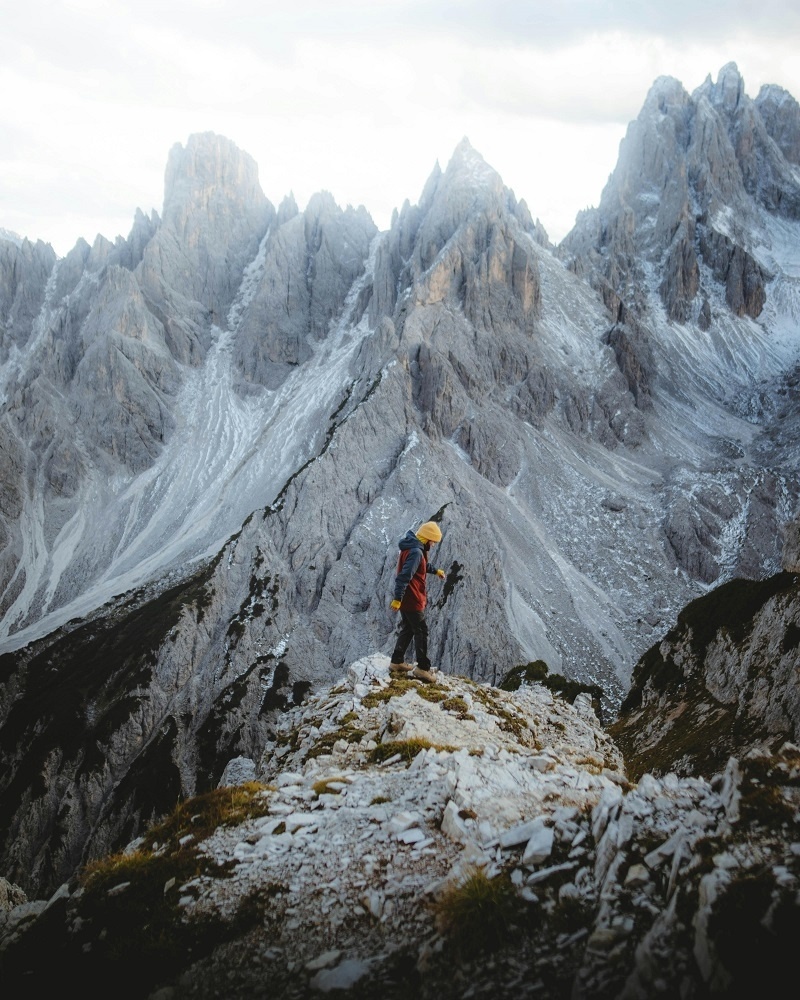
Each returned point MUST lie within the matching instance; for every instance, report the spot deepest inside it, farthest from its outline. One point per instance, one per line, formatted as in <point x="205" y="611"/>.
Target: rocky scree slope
<point x="447" y="840"/>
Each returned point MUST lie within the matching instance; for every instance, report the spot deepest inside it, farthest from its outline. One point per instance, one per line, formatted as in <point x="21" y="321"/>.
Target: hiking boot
<point x="426" y="676"/>
<point x="401" y="668"/>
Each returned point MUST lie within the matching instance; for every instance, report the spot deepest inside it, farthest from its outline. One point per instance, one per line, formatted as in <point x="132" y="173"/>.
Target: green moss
<point x="290" y="739"/>
<point x="458" y="706"/>
<point x="732" y="606"/>
<point x="508" y="720"/>
<point x="326" y="743"/>
<point x="131" y="929"/>
<point x="432" y="693"/>
<point x="479" y="914"/>
<point x="396" y="688"/>
<point x="202" y="814"/>
<point x="537" y="672"/>
<point x="407" y="749"/>
<point x="144" y="939"/>
<point x="323" y="786"/>
<point x="729" y="608"/>
<point x="530" y="673"/>
<point x="696" y="741"/>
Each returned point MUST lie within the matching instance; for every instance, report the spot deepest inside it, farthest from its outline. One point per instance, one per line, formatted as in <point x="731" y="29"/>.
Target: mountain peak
<point x="11" y="237"/>
<point x="207" y="163"/>
<point x="465" y="154"/>
<point x="465" y="148"/>
<point x="665" y="93"/>
<point x="468" y="167"/>
<point x="728" y="91"/>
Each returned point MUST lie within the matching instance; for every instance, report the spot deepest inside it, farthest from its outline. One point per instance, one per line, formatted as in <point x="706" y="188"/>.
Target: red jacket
<point x="412" y="569"/>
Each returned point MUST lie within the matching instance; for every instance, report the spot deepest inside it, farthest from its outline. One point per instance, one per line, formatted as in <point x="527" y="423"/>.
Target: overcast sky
<point x="359" y="98"/>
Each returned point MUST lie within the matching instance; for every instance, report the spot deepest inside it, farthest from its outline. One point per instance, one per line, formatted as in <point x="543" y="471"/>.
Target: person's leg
<point x="405" y="633"/>
<point x="419" y="628"/>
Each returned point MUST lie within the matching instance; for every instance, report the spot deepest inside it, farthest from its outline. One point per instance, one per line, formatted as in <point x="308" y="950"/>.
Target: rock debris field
<point x="386" y="798"/>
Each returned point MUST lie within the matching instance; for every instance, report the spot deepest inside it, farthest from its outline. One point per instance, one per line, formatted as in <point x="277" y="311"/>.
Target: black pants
<point x="412" y="626"/>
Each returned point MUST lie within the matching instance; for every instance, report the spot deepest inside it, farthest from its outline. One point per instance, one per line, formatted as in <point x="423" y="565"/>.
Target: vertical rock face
<point x="780" y="113"/>
<point x="124" y="379"/>
<point x="728" y="669"/>
<point x="694" y="174"/>
<point x="766" y="171"/>
<point x="463" y="260"/>
<point x="487" y="265"/>
<point x="129" y="252"/>
<point x="24" y="271"/>
<point x="215" y="216"/>
<point x="107" y="332"/>
<point x="310" y="262"/>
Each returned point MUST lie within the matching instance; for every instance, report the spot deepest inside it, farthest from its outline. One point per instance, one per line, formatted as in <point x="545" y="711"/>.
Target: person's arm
<point x="403" y="578"/>
<point x="439" y="572"/>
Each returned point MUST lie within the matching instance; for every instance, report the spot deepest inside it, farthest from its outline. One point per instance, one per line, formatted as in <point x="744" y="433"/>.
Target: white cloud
<point x="357" y="98"/>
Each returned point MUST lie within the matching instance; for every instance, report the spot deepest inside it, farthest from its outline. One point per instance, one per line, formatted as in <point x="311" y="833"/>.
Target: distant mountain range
<point x="213" y="433"/>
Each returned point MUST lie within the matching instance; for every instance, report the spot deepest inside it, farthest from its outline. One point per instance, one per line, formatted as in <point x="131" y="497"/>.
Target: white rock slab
<point x="342" y="977"/>
<point x="540" y="845"/>
<point x="520" y="833"/>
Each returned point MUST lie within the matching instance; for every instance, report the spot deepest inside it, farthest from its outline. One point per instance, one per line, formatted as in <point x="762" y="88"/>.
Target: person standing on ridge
<point x="410" y="599"/>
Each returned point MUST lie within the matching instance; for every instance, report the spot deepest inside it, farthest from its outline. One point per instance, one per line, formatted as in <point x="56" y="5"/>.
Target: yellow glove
<point x="395" y="605"/>
<point x="441" y="573"/>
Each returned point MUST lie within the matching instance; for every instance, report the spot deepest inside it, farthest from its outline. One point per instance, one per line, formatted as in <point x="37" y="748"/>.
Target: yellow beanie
<point x="429" y="532"/>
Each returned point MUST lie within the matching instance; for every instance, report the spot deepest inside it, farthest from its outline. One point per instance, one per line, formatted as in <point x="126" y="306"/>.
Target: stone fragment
<point x="286" y="778"/>
<point x="402" y="821"/>
<point x="539" y="845"/>
<point x="297" y="821"/>
<point x="237" y="772"/>
<point x="453" y="825"/>
<point x="637" y="877"/>
<point x="342" y="977"/>
<point x="521" y="833"/>
<point x="323" y="961"/>
<point x="411" y="836"/>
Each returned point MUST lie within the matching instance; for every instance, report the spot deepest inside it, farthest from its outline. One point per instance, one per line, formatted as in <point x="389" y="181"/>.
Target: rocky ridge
<point x="717" y="690"/>
<point x="381" y="800"/>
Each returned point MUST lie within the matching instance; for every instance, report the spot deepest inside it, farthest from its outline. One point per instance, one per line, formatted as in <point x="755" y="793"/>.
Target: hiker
<point x="410" y="599"/>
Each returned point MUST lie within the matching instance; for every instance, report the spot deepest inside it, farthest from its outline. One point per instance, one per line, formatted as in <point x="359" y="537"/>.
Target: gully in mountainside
<point x="410" y="599"/>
